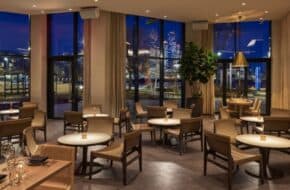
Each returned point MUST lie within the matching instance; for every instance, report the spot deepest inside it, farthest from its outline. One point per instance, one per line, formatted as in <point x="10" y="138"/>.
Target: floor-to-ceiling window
<point x="14" y="58"/>
<point x="65" y="63"/>
<point x="254" y="40"/>
<point x="154" y="48"/>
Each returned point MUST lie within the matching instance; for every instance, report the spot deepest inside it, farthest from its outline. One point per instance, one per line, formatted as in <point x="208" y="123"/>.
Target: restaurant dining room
<point x="144" y="95"/>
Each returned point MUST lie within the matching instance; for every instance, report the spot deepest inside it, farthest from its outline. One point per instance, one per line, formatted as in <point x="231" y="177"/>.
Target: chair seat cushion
<point x="112" y="152"/>
<point x="241" y="157"/>
<point x="174" y="132"/>
<point x="142" y="127"/>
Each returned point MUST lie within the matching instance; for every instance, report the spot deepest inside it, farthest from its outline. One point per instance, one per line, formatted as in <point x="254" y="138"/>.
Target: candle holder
<point x="84" y="135"/>
<point x="263" y="137"/>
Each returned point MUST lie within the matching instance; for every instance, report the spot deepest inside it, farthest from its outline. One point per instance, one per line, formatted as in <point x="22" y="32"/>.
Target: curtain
<point x="115" y="62"/>
<point x="87" y="63"/>
<point x="203" y="38"/>
<point x="281" y="63"/>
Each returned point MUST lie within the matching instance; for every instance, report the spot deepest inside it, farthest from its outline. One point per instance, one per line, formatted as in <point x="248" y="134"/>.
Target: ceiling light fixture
<point x="147" y="11"/>
<point x="33" y="6"/>
<point x="261" y="18"/>
<point x="266" y="12"/>
<point x="244" y="4"/>
<point x="70" y="9"/>
<point x="165" y="16"/>
<point x="96" y="0"/>
<point x="217" y="15"/>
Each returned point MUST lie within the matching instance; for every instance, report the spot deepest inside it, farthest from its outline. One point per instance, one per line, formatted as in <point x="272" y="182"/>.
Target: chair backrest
<point x="191" y="125"/>
<point x="92" y="109"/>
<point x="27" y="112"/>
<point x="139" y="108"/>
<point x="73" y="117"/>
<point x="39" y="119"/>
<point x="132" y="141"/>
<point x="123" y="115"/>
<point x="226" y="127"/>
<point x="14" y="127"/>
<point x="156" y="112"/>
<point x="258" y="106"/>
<point x="218" y="143"/>
<point x="170" y="104"/>
<point x="30" y="104"/>
<point x="276" y="124"/>
<point x="101" y="125"/>
<point x="58" y="152"/>
<point x="224" y="114"/>
<point x="255" y="103"/>
<point x="30" y="142"/>
<point x="181" y="113"/>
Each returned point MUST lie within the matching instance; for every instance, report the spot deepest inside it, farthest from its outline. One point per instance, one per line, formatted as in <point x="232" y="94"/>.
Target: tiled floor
<point x="163" y="168"/>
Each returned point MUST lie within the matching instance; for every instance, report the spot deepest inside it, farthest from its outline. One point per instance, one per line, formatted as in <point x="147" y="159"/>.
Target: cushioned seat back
<point x="14" y="127"/>
<point x="181" y="113"/>
<point x="73" y="117"/>
<point x="192" y="125"/>
<point x="276" y="124"/>
<point x="218" y="143"/>
<point x="101" y="125"/>
<point x="156" y="112"/>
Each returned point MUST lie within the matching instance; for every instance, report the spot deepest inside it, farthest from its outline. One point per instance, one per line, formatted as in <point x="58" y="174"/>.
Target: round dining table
<point x="265" y="143"/>
<point x="90" y="115"/>
<point x="84" y="140"/>
<point x="251" y="119"/>
<point x="8" y="112"/>
<point x="162" y="123"/>
<point x="239" y="103"/>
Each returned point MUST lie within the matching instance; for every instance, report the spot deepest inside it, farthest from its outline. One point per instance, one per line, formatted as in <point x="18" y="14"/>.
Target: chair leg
<point x="230" y="175"/>
<point x="151" y="135"/>
<point x="91" y="167"/>
<point x="45" y="135"/>
<point x="201" y="142"/>
<point x="111" y="163"/>
<point x="205" y="164"/>
<point x="120" y="131"/>
<point x="140" y="161"/>
<point x="181" y="145"/>
<point x="124" y="165"/>
<point x="262" y="172"/>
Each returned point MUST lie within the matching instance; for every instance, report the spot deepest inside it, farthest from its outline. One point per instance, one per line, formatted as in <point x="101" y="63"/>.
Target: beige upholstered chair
<point x="30" y="104"/>
<point x="275" y="125"/>
<point x="92" y="109"/>
<point x="181" y="113"/>
<point x="226" y="127"/>
<point x="32" y="148"/>
<point x="189" y="128"/>
<point x="140" y="112"/>
<point x="256" y="110"/>
<point x="39" y="122"/>
<point x="225" y="114"/>
<point x="170" y="104"/>
<point x="14" y="129"/>
<point x="101" y="125"/>
<point x="220" y="147"/>
<point x="25" y="112"/>
<point x="255" y="103"/>
<point x="156" y="112"/>
<point x="122" y="152"/>
<point x="73" y="121"/>
<point x="121" y="122"/>
<point x="63" y="180"/>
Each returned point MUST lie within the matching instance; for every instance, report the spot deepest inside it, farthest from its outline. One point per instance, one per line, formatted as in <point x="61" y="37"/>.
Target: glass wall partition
<point x="14" y="58"/>
<point x="154" y="48"/>
<point x="254" y="81"/>
<point x="65" y="63"/>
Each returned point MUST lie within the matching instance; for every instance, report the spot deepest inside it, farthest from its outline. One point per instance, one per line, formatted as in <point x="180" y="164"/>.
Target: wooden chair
<point x="73" y="121"/>
<point x="121" y="121"/>
<point x="32" y="148"/>
<point x="225" y="114"/>
<point x="30" y="104"/>
<point x="256" y="111"/>
<point x="226" y="127"/>
<point x="25" y="112"/>
<point x="140" y="112"/>
<point x="14" y="129"/>
<point x="39" y="123"/>
<point x="64" y="180"/>
<point x="170" y="104"/>
<point x="255" y="103"/>
<point x="121" y="152"/>
<point x="189" y="128"/>
<point x="275" y="125"/>
<point x="101" y="125"/>
<point x="156" y="112"/>
<point x="181" y="113"/>
<point x="92" y="109"/>
<point x="220" y="147"/>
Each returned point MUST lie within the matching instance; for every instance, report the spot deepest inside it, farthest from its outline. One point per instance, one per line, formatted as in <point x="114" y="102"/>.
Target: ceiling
<point x="181" y="10"/>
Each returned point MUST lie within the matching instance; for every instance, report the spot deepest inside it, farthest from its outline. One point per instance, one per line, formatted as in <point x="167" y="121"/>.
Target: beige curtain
<point x="115" y="62"/>
<point x="281" y="63"/>
<point x="203" y="38"/>
<point x="87" y="63"/>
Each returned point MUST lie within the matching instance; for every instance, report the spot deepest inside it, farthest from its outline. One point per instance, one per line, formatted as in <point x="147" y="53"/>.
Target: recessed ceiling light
<point x="240" y="12"/>
<point x="217" y="15"/>
<point x="42" y="11"/>
<point x="261" y="18"/>
<point x="96" y="0"/>
<point x="165" y="16"/>
<point x="147" y="11"/>
<point x="266" y="12"/>
<point x="33" y="6"/>
<point x="244" y="4"/>
<point x="70" y="9"/>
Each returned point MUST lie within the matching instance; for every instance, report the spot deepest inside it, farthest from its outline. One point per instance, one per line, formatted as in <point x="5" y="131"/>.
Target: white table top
<point x="270" y="141"/>
<point x="9" y="111"/>
<point x="76" y="139"/>
<point x="95" y="115"/>
<point x="164" y="122"/>
<point x="253" y="119"/>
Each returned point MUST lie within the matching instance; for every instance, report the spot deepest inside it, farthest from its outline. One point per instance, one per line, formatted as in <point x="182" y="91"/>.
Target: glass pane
<point x="224" y="40"/>
<point x="173" y="39"/>
<point x="257" y="83"/>
<point x="254" y="39"/>
<point x="130" y="29"/>
<point x="80" y="35"/>
<point x="62" y="87"/>
<point x="149" y="37"/>
<point x="79" y="83"/>
<point x="130" y="84"/>
<point x="172" y="81"/>
<point x="218" y="87"/>
<point x="14" y="34"/>
<point x="149" y="81"/>
<point x="61" y="34"/>
<point x="235" y="81"/>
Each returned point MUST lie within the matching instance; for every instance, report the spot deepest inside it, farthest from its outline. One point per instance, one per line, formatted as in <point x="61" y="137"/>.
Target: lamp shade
<point x="240" y="60"/>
